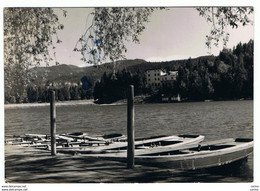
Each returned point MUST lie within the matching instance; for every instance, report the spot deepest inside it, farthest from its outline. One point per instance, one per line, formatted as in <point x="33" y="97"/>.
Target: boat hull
<point x="119" y="148"/>
<point x="196" y="162"/>
<point x="192" y="159"/>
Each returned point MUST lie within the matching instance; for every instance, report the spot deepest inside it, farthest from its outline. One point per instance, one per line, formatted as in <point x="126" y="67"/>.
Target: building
<point x="169" y="77"/>
<point x="156" y="78"/>
<point x="153" y="78"/>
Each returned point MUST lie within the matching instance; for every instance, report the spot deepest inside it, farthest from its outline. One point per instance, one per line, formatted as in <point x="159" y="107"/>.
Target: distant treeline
<point x="63" y="92"/>
<point x="229" y="76"/>
<point x="113" y="87"/>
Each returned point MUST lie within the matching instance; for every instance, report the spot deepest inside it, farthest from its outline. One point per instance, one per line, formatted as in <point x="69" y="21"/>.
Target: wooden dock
<point x="30" y="165"/>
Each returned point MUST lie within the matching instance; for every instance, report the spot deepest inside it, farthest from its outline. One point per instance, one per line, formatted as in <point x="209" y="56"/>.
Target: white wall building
<point x="155" y="78"/>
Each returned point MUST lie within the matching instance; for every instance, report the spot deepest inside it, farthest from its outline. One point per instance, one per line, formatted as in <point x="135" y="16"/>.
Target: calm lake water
<point x="215" y="120"/>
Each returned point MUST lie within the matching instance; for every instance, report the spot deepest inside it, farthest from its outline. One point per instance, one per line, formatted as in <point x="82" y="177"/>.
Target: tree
<point x="32" y="94"/>
<point x="74" y="92"/>
<point x="208" y="87"/>
<point x="66" y="92"/>
<point x="109" y="90"/>
<point x="28" y="34"/>
<point x="222" y="17"/>
<point x="109" y="29"/>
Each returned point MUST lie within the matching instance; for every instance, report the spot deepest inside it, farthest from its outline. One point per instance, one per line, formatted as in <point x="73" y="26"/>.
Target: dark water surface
<point x="215" y="120"/>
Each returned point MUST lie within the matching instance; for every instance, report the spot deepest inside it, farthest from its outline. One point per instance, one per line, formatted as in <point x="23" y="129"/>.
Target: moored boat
<point x="142" y="145"/>
<point x="205" y="155"/>
<point x="63" y="140"/>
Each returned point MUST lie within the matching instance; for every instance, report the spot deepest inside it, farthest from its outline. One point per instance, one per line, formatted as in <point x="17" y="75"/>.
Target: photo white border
<point x="140" y="3"/>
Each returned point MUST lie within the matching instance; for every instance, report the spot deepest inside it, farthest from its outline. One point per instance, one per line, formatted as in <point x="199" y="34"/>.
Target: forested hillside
<point x="227" y="76"/>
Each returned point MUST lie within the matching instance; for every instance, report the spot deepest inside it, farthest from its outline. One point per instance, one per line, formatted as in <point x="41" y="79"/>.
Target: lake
<point x="215" y="120"/>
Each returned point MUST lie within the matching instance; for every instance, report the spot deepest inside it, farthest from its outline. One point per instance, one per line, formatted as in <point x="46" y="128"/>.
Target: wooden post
<point x="130" y="128"/>
<point x="53" y="122"/>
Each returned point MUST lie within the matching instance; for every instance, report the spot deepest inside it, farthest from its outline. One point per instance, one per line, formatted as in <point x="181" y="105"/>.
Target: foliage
<point x="28" y="34"/>
<point x="64" y="92"/>
<point x="229" y="76"/>
<point x="109" y="90"/>
<point x="221" y="18"/>
<point x="108" y="31"/>
<point x="110" y="28"/>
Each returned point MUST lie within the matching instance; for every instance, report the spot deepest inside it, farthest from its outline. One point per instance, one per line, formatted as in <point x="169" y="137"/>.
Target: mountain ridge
<point x="72" y="73"/>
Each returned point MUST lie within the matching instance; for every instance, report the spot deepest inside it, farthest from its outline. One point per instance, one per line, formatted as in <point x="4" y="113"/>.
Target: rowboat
<point x="63" y="140"/>
<point x="27" y="139"/>
<point x="83" y="136"/>
<point x="115" y="143"/>
<point x="142" y="145"/>
<point x="204" y="155"/>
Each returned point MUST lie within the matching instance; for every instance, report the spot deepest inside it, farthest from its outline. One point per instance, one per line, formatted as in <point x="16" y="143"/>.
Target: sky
<point x="172" y="34"/>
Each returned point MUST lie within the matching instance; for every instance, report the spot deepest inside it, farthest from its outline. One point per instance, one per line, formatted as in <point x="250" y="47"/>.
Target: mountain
<point x="167" y="65"/>
<point x="71" y="73"/>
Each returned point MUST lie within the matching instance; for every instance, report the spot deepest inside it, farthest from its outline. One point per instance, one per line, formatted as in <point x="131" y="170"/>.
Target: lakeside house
<point x="156" y="78"/>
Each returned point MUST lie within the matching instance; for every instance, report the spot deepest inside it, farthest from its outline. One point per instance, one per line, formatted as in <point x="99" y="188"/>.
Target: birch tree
<point x="29" y="34"/>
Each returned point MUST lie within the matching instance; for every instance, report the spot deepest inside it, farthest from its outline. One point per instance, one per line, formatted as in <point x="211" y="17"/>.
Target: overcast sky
<point x="177" y="33"/>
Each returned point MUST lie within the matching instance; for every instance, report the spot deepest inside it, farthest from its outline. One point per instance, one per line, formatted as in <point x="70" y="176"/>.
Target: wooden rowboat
<point x="83" y="136"/>
<point x="205" y="155"/>
<point x="64" y="140"/>
<point x="142" y="145"/>
<point x="78" y="143"/>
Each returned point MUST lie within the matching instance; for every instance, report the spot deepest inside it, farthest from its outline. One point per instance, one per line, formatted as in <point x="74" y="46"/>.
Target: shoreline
<point x="91" y="102"/>
<point x="58" y="103"/>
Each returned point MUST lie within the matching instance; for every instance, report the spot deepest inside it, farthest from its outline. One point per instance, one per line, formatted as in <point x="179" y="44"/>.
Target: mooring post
<point x="53" y="122"/>
<point x="130" y="128"/>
